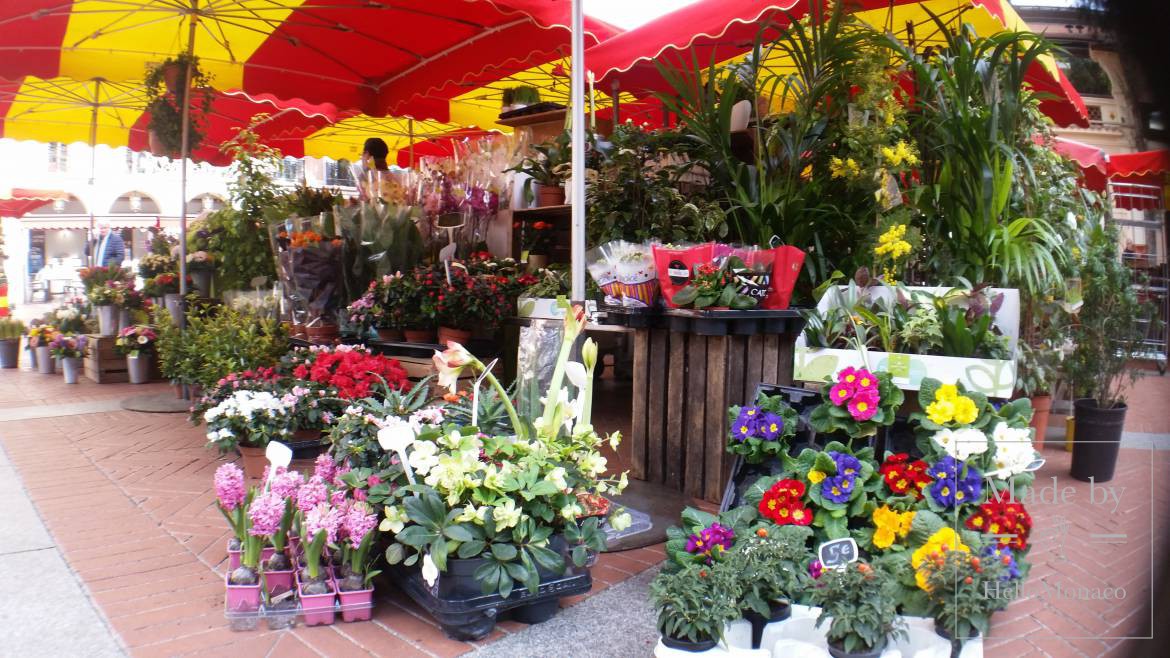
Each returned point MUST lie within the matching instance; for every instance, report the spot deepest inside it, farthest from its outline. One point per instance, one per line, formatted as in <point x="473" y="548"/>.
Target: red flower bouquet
<point x="352" y="371"/>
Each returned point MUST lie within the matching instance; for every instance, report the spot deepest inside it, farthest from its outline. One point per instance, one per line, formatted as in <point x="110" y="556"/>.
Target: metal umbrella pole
<point x="93" y="117"/>
<point x="577" y="109"/>
<point x="183" y="153"/>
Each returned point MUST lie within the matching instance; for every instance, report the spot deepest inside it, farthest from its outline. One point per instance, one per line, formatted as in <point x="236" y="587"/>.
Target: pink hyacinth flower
<point x="286" y="484"/>
<point x="324" y="467"/>
<point x="229" y="486"/>
<point x="359" y="521"/>
<point x="323" y="517"/>
<point x="311" y="494"/>
<point x="266" y="512"/>
<point x="864" y="404"/>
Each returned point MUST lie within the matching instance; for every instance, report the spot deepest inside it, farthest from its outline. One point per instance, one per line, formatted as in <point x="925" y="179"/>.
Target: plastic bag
<point x="638" y="277"/>
<point x="676" y="266"/>
<point x="754" y="279"/>
<point x="786" y="267"/>
<point x="601" y="262"/>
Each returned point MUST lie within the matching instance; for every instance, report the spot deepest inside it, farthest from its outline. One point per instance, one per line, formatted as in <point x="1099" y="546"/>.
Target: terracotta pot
<point x="322" y="332"/>
<point x="1041" y="408"/>
<point x="419" y="335"/>
<point x="254" y="461"/>
<point x="550" y="195"/>
<point x="537" y="262"/>
<point x="297" y="330"/>
<point x="390" y="335"/>
<point x="457" y="335"/>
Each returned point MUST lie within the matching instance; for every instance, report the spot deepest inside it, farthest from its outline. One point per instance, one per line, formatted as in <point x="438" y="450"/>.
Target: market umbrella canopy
<point x="17" y="201"/>
<point x="378" y="57"/>
<point x="724" y="30"/>
<point x="112" y="113"/>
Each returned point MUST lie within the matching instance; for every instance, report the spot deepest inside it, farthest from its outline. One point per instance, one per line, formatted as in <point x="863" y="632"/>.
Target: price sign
<point x="837" y="553"/>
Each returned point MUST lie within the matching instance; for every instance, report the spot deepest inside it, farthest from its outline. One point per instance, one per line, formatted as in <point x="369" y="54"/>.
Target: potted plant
<point x="154" y="264"/>
<point x="716" y="286"/>
<point x="419" y="293"/>
<point x="105" y="299"/>
<point x="693" y="605"/>
<point x="39" y="337"/>
<point x="515" y="98"/>
<point x="271" y="516"/>
<point x="536" y="243"/>
<point x="242" y="582"/>
<point x="319" y="526"/>
<point x="201" y="265"/>
<point x="168" y="87"/>
<point x="366" y="312"/>
<point x="354" y="588"/>
<point x="231" y="499"/>
<point x="467" y="303"/>
<point x="769" y="565"/>
<point x="958" y="586"/>
<point x="861" y="605"/>
<point x="1111" y="325"/>
<point x="246" y="421"/>
<point x="137" y="344"/>
<point x="11" y="330"/>
<point x="547" y="169"/>
<point x="70" y="350"/>
<point x="1036" y="373"/>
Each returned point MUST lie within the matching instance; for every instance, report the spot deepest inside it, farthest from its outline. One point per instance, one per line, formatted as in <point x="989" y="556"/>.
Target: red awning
<point x="21" y="201"/>
<point x="1142" y="163"/>
<point x="1094" y="163"/>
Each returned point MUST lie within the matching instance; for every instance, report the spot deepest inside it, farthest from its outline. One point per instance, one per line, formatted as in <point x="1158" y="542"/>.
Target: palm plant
<point x="973" y="118"/>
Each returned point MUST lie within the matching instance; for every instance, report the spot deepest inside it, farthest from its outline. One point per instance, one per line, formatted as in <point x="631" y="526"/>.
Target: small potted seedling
<point x="768" y="563"/>
<point x="694" y="604"/>
<point x="862" y="605"/>
<point x="354" y="588"/>
<point x="957" y="585"/>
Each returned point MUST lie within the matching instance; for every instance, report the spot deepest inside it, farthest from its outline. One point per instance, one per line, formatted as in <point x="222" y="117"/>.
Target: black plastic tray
<point x="471" y="617"/>
<point x="708" y="323"/>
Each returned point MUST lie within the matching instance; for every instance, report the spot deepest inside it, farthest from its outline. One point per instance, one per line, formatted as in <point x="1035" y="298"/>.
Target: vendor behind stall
<point x="374" y="155"/>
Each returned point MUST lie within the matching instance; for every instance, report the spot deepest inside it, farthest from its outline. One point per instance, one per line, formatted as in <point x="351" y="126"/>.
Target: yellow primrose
<point x="816" y="476"/>
<point x="883" y="537"/>
<point x="965" y="410"/>
<point x="947" y="392"/>
<point x="940" y="411"/>
<point x="945" y="539"/>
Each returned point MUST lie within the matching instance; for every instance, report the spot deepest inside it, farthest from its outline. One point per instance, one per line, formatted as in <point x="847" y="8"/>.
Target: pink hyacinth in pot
<point x="231" y="494"/>
<point x="320" y="526"/>
<point x="355" y="591"/>
<point x="271" y="515"/>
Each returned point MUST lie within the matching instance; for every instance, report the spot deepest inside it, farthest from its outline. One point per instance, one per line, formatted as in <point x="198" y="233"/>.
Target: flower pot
<point x="178" y="390"/>
<point x="778" y="612"/>
<point x="174" y="304"/>
<point x="1096" y="441"/>
<point x="108" y="320"/>
<point x="419" y="335"/>
<point x="550" y="195"/>
<point x="390" y="335"/>
<point x="158" y="302"/>
<point x="242" y="605"/>
<point x="71" y="366"/>
<point x="688" y="645"/>
<point x="296" y="330"/>
<point x="124" y="318"/>
<point x="10" y="353"/>
<point x="33" y="362"/>
<point x="202" y="281"/>
<point x="537" y="262"/>
<point x="838" y="652"/>
<point x="318" y="609"/>
<point x="254" y="461"/>
<point x="233" y="557"/>
<point x="1041" y="407"/>
<point x="139" y="368"/>
<point x="155" y="145"/>
<point x="357" y="605"/>
<point x="46" y="364"/>
<point x="170" y="75"/>
<point x="276" y="581"/>
<point x="457" y="335"/>
<point x="321" y="332"/>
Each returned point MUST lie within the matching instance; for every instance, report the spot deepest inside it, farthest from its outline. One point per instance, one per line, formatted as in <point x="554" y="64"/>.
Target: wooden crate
<point x="102" y="364"/>
<point x="683" y="385"/>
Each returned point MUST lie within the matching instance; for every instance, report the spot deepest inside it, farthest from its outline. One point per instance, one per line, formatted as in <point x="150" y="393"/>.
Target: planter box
<point x="102" y="364"/>
<point x="799" y="636"/>
<point x="993" y="377"/>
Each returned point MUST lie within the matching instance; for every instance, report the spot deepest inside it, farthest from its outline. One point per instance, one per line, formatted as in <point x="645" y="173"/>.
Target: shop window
<point x="338" y="173"/>
<point x="58" y="157"/>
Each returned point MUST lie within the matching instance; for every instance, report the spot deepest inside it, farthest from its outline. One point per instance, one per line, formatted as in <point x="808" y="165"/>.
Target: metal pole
<point x="615" y="91"/>
<point x="93" y="117"/>
<point x="410" y="129"/>
<point x="184" y="152"/>
<point x="577" y="110"/>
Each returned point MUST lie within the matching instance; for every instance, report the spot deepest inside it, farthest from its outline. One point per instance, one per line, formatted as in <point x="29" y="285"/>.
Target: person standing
<point x="374" y="155"/>
<point x="109" y="248"/>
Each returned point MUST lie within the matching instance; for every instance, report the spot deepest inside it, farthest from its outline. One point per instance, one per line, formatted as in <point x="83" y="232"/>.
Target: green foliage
<point x="520" y="95"/>
<point x="861" y="601"/>
<point x="1112" y="323"/>
<point x="1037" y="369"/>
<point x="222" y="340"/>
<point x="11" y="329"/>
<point x="548" y="166"/>
<point x="770" y="567"/>
<point x="716" y="285"/>
<point x="380" y="239"/>
<point x="693" y="522"/>
<point x="695" y="602"/>
<point x="959" y="588"/>
<point x="637" y="192"/>
<point x="165" y="105"/>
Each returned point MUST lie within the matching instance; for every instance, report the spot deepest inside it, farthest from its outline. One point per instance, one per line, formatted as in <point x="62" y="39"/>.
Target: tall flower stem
<point x="521" y="429"/>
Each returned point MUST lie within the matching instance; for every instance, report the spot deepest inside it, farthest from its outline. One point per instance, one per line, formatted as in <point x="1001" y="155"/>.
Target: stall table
<point x="689" y="367"/>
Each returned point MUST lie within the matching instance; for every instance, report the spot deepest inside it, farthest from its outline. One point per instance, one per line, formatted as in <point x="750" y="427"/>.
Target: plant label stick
<point x="278" y="454"/>
<point x="837" y="553"/>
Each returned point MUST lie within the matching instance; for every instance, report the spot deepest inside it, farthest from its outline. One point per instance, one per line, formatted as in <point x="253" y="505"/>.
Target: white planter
<point x="108" y="320"/>
<point x="71" y="367"/>
<point x="798" y="637"/>
<point x="139" y="369"/>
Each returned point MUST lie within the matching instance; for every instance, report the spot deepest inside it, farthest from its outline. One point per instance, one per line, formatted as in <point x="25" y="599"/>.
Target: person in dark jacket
<point x="109" y="248"/>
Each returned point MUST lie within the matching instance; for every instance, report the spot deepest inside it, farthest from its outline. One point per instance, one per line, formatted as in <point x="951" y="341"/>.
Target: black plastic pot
<point x="687" y="645"/>
<point x="838" y="652"/>
<point x="9" y="353"/>
<point x="779" y="612"/>
<point x="1096" y="440"/>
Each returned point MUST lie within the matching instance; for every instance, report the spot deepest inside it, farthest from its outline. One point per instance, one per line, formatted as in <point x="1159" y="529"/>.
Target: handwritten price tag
<point x="838" y="552"/>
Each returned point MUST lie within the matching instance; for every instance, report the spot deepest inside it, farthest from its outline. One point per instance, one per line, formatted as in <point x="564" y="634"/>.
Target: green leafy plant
<point x="960" y="588"/>
<point x="762" y="430"/>
<point x="716" y="285"/>
<point x="770" y="566"/>
<point x="11" y="329"/>
<point x="548" y="166"/>
<point x="224" y="340"/>
<point x="861" y="602"/>
<point x="1037" y="368"/>
<point x="520" y="95"/>
<point x="695" y="602"/>
<point x="168" y="88"/>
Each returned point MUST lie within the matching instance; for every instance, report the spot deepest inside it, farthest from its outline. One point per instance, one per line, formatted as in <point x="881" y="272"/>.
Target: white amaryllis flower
<point x="423" y="457"/>
<point x="430" y="572"/>
<point x="576" y="374"/>
<point x="450" y="363"/>
<point x="1013" y="451"/>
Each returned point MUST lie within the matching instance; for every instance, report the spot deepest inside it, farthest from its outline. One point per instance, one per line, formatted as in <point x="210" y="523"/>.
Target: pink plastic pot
<point x="242" y="598"/>
<point x="318" y="609"/>
<point x="233" y="559"/>
<point x="266" y="553"/>
<point x="357" y="606"/>
<point x="278" y="581"/>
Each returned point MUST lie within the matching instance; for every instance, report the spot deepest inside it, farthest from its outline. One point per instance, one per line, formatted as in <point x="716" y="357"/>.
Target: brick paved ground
<point x="127" y="497"/>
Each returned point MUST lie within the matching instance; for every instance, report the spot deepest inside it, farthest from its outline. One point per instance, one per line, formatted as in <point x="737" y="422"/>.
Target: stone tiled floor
<point x="127" y="498"/>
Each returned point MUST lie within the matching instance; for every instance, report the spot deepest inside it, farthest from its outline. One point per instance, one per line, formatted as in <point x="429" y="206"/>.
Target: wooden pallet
<point x="102" y="364"/>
